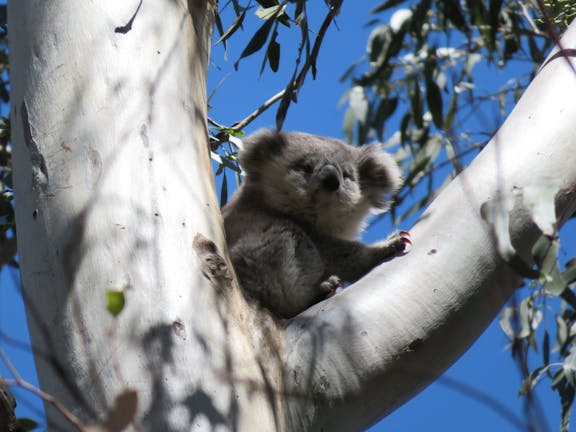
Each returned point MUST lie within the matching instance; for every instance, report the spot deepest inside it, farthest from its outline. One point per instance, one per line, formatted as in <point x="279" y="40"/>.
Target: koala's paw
<point x="332" y="286"/>
<point x="398" y="243"/>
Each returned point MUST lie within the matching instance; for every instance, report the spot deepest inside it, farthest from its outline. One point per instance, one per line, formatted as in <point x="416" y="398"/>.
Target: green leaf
<point x="494" y="21"/>
<point x="359" y="103"/>
<point x="224" y="191"/>
<point x="231" y="132"/>
<point x="535" y="53"/>
<point x="267" y="12"/>
<point x="273" y="55"/>
<point x="284" y="105"/>
<point x="349" y="122"/>
<point x="257" y="41"/>
<point x="232" y="29"/>
<point x="569" y="366"/>
<point x="27" y="424"/>
<point x="451" y="114"/>
<point x="506" y="323"/>
<point x="434" y="100"/>
<point x="546" y="348"/>
<point x="511" y="46"/>
<point x="378" y="45"/>
<point x="545" y="252"/>
<point x="557" y="379"/>
<point x="275" y="12"/>
<point x="267" y="3"/>
<point x="266" y="58"/>
<point x="561" y="333"/>
<point x="416" y="103"/>
<point x="530" y="318"/>
<point x="419" y="18"/>
<point x="477" y="12"/>
<point x="570" y="298"/>
<point x="569" y="274"/>
<point x="471" y="60"/>
<point x="349" y="72"/>
<point x="386" y="5"/>
<point x="404" y="127"/>
<point x="567" y="400"/>
<point x="385" y="110"/>
<point x="531" y="380"/>
<point x="219" y="27"/>
<point x="453" y="11"/>
<point x="115" y="302"/>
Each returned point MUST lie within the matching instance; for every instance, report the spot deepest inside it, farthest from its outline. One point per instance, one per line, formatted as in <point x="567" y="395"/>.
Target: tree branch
<point x="19" y="381"/>
<point x="411" y="318"/>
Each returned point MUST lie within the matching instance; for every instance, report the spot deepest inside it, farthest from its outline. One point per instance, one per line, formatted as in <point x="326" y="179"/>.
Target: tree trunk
<point x="114" y="193"/>
<point x="114" y="181"/>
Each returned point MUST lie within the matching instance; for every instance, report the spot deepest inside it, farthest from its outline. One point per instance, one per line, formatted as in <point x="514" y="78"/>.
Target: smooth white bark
<point x="113" y="181"/>
<point x="365" y="352"/>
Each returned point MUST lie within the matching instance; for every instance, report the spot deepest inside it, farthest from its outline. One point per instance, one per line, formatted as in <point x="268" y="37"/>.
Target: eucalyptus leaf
<point x="386" y="5"/>
<point x="434" y="100"/>
<point x="257" y="41"/>
<point x="453" y="10"/>
<point x="266" y="13"/>
<point x="359" y="103"/>
<point x="546" y="348"/>
<point x="273" y="55"/>
<point x="224" y="191"/>
<point x="232" y="29"/>
<point x="25" y="424"/>
<point x="506" y="322"/>
<point x="569" y="274"/>
<point x="115" y="302"/>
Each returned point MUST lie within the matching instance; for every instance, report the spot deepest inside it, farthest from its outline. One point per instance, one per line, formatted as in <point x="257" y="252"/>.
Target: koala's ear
<point x="379" y="175"/>
<point x="259" y="148"/>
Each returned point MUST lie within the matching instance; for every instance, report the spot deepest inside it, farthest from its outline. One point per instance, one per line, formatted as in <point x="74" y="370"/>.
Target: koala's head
<point x="320" y="181"/>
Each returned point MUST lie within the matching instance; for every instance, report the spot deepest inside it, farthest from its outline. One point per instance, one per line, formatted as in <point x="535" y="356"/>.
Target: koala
<point x="293" y="224"/>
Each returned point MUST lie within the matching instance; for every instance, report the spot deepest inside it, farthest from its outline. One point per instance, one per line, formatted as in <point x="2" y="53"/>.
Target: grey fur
<point x="294" y="221"/>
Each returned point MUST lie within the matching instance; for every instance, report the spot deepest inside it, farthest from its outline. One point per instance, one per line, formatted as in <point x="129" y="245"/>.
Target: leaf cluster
<point x="275" y="13"/>
<point x="425" y="70"/>
<point x="530" y="324"/>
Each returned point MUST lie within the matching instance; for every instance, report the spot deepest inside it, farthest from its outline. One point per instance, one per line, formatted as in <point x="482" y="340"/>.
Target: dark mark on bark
<point x="40" y="177"/>
<point x="128" y="26"/>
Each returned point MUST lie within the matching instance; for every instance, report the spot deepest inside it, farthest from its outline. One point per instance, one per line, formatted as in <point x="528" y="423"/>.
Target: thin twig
<point x="294" y="85"/>
<point x="242" y="124"/>
<point x="48" y="398"/>
<point x="530" y="20"/>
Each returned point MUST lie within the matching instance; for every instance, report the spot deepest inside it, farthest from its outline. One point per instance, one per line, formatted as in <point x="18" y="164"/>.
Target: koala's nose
<point x="330" y="178"/>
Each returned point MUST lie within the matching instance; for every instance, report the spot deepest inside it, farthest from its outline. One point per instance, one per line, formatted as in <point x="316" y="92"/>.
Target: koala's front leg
<point x="351" y="260"/>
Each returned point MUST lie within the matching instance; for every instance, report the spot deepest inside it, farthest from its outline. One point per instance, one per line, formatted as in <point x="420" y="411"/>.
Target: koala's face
<point x="320" y="181"/>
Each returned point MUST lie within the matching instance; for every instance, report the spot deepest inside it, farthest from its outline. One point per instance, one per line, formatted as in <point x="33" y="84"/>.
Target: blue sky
<point x="486" y="376"/>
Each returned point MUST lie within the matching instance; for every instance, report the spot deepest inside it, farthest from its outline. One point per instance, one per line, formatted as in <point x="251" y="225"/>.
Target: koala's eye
<point x="304" y="167"/>
<point x="349" y="175"/>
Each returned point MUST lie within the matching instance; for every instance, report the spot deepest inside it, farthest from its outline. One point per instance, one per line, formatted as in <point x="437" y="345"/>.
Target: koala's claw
<point x="406" y="239"/>
<point x="399" y="243"/>
<point x="332" y="285"/>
